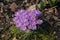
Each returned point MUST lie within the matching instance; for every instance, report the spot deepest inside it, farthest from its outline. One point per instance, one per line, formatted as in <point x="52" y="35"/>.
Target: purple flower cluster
<point x="26" y="20"/>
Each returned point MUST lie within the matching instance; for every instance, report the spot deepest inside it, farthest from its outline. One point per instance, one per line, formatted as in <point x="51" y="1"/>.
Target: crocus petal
<point x="39" y="21"/>
<point x="19" y="12"/>
<point x="23" y="28"/>
<point x="18" y="25"/>
<point x="27" y="30"/>
<point x="34" y="27"/>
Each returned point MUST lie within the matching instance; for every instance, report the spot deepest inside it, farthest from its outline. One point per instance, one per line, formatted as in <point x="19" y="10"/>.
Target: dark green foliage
<point x="52" y="2"/>
<point x="14" y="30"/>
<point x="42" y="4"/>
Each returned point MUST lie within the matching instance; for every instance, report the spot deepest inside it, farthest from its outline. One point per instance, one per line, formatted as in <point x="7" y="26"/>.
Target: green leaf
<point x="27" y="36"/>
<point x="15" y="30"/>
<point x="41" y="4"/>
<point x="44" y="1"/>
<point x="53" y="2"/>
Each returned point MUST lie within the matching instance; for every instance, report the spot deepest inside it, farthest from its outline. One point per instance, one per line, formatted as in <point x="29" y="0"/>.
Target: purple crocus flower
<point x="26" y="20"/>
